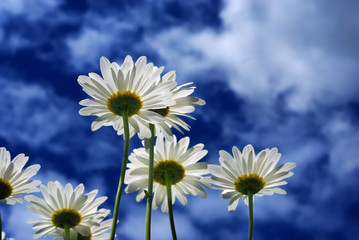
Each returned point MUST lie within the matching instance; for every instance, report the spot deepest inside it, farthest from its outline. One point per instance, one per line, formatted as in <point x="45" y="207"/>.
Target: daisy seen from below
<point x="177" y="172"/>
<point x="97" y="232"/>
<point x="126" y="98"/>
<point x="14" y="180"/>
<point x="65" y="208"/>
<point x="126" y="91"/>
<point x="184" y="104"/>
<point x="246" y="174"/>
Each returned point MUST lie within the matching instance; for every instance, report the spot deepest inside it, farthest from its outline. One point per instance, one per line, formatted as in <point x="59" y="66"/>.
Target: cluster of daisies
<point x="135" y="98"/>
<point x="61" y="207"/>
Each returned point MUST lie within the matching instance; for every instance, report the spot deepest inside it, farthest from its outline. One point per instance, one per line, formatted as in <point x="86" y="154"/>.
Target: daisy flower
<point x="127" y="89"/>
<point x="65" y="208"/>
<point x="174" y="160"/>
<point x="97" y="232"/>
<point x="184" y="104"/>
<point x="14" y="180"/>
<point x="246" y="175"/>
<point x="249" y="174"/>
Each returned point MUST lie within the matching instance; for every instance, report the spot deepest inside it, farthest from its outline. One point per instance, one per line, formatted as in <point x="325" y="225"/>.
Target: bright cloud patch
<point x="258" y="49"/>
<point x="32" y="10"/>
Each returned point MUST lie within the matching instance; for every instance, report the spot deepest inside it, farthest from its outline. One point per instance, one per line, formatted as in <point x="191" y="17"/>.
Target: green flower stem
<point x="122" y="176"/>
<point x="150" y="183"/>
<point x="67" y="232"/>
<point x="250" y="207"/>
<point x="169" y="202"/>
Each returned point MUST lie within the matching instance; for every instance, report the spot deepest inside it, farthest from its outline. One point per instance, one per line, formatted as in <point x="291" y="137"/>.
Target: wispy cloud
<point x="257" y="48"/>
<point x="31" y="10"/>
<point x="20" y="22"/>
<point x="33" y="115"/>
<point x="98" y="37"/>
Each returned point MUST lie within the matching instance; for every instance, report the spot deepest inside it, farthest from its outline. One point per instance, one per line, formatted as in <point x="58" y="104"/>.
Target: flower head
<point x="247" y="173"/>
<point x="172" y="160"/>
<point x="127" y="89"/>
<point x="14" y="180"/>
<point x="65" y="207"/>
<point x="97" y="232"/>
<point x="184" y="104"/>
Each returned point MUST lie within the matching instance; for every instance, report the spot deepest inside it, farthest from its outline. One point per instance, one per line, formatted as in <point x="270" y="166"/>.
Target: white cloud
<point x="88" y="46"/>
<point x="258" y="50"/>
<point x="98" y="37"/>
<point x="28" y="14"/>
<point x="32" y="114"/>
<point x="267" y="53"/>
<point x="32" y="10"/>
<point x="343" y="136"/>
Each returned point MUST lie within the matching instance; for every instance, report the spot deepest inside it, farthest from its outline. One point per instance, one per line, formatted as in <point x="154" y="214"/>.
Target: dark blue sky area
<point x="273" y="73"/>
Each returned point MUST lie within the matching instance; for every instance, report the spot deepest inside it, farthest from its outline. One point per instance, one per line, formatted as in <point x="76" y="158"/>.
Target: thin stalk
<point x="169" y="202"/>
<point x="250" y="207"/>
<point x="67" y="232"/>
<point x="122" y="176"/>
<point x="150" y="183"/>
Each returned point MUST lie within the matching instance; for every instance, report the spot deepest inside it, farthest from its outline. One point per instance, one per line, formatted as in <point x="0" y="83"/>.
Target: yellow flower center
<point x="162" y="111"/>
<point x="173" y="169"/>
<point x="122" y="102"/>
<point x="66" y="217"/>
<point x="249" y="184"/>
<point x="5" y="189"/>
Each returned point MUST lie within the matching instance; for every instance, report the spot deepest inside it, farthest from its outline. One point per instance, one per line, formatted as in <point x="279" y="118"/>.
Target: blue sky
<point x="273" y="73"/>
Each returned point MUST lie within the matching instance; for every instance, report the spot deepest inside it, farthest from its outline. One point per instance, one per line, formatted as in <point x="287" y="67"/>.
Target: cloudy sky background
<point x="273" y="73"/>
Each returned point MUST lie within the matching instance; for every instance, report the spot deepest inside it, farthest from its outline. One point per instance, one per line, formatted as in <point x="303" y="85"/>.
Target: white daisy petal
<point x="234" y="203"/>
<point x="101" y="121"/>
<point x="106" y="72"/>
